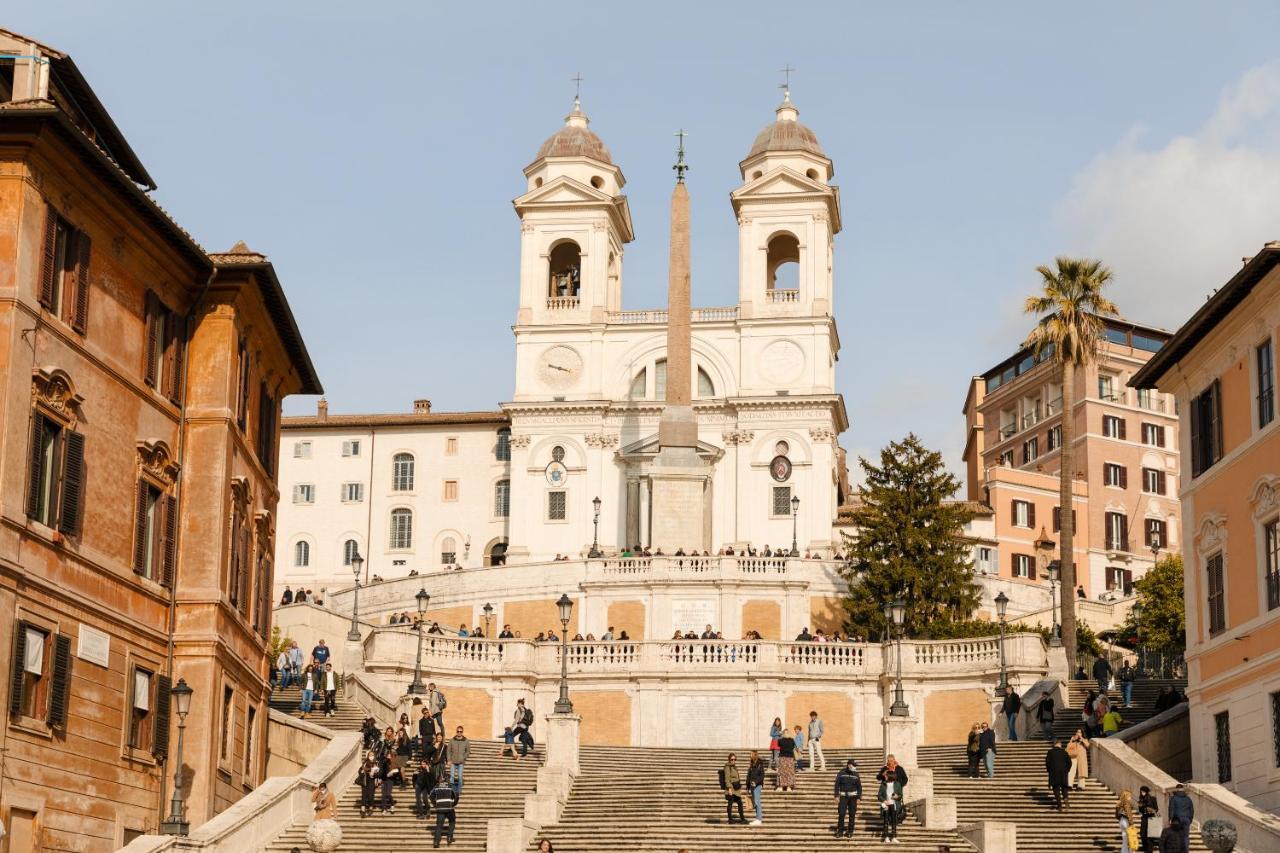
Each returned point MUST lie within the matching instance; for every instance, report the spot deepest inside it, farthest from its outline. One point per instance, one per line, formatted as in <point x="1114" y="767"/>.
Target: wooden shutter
<point x="1057" y="519"/>
<point x="35" y="466"/>
<point x="1197" y="464"/>
<point x="170" y="540"/>
<point x="1124" y="473"/>
<point x="153" y="338"/>
<point x="140" y="528"/>
<point x="49" y="268"/>
<point x="1031" y="515"/>
<point x="1122" y="427"/>
<point x="15" y="674"/>
<point x="1160" y="435"/>
<point x="1123" y="544"/>
<point x="1031" y="569"/>
<point x="1161" y="485"/>
<point x="80" y="316"/>
<point x="176" y="362"/>
<point x="160" y="731"/>
<point x="60" y="689"/>
<point x="72" y="481"/>
<point x="1215" y="414"/>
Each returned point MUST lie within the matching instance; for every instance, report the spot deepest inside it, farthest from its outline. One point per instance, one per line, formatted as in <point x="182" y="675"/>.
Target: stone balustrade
<point x="776" y="297"/>
<point x="562" y="303"/>
<point x="659" y="315"/>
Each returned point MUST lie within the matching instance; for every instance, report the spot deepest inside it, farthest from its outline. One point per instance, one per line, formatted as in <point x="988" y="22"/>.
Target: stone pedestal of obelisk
<point x="679" y="477"/>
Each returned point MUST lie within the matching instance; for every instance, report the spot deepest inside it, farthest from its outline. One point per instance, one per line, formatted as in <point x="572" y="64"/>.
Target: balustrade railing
<point x="842" y="656"/>
<point x="780" y="296"/>
<point x="715" y="653"/>
<point x="762" y="565"/>
<point x="562" y="303"/>
<point x="659" y="315"/>
<point x="666" y="566"/>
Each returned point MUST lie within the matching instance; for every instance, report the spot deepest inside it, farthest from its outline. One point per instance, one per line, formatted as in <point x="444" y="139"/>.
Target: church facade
<point x="429" y="489"/>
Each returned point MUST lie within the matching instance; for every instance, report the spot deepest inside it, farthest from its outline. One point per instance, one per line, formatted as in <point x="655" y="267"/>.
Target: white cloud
<point x="1173" y="221"/>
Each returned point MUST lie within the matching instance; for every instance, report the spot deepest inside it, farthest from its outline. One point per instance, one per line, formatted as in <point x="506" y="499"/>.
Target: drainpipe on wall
<point x="368" y="518"/>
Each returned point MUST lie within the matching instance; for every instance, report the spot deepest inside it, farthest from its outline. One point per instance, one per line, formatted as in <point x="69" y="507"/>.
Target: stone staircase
<point x="347" y="717"/>
<point x="1019" y="793"/>
<point x="1145" y="692"/>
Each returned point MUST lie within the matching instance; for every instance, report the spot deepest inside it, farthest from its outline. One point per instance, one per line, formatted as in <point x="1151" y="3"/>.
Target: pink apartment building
<point x="1126" y="441"/>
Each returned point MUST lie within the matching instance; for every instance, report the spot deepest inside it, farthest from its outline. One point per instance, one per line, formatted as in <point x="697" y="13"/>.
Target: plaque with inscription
<point x="94" y="646"/>
<point x="706" y="721"/>
<point x="693" y="614"/>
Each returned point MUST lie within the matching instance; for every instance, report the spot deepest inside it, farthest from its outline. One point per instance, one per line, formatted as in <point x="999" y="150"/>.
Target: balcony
<point x="562" y="303"/>
<point x="1008" y="431"/>
<point x="1152" y="405"/>
<point x="778" y="297"/>
<point x="1030" y="419"/>
<point x="1053" y="407"/>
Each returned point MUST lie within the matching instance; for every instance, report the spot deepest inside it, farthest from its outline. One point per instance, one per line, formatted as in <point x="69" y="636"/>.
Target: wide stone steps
<point x="348" y="716"/>
<point x="494" y="787"/>
<point x="1145" y="693"/>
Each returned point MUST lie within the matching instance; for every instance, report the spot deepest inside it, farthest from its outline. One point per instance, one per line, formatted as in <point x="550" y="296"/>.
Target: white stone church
<point x="422" y="490"/>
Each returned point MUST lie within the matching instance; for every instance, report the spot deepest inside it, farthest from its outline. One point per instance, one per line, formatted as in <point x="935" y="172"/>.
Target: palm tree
<point x="1069" y="333"/>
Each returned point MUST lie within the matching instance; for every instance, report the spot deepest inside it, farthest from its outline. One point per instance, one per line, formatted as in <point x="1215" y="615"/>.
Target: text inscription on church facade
<point x="693" y="614"/>
<point x="706" y="721"/>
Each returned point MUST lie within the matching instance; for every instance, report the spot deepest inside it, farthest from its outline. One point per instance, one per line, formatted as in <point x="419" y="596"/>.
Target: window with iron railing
<point x="1222" y="741"/>
<point x="1266" y="385"/>
<point x="1271" y="550"/>
<point x="1117" y="530"/>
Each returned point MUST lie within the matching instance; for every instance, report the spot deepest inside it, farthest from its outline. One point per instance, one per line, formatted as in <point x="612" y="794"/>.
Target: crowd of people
<point x="300" y="596"/>
<point x="316" y="676"/>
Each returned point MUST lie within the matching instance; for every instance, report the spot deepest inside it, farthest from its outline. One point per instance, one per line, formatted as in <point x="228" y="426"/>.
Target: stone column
<point x="633" y="512"/>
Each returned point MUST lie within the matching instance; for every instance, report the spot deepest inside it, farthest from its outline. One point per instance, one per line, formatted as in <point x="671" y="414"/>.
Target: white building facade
<point x="519" y="484"/>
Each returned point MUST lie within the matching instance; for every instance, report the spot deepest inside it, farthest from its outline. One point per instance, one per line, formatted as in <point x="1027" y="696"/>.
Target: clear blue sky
<point x="372" y="151"/>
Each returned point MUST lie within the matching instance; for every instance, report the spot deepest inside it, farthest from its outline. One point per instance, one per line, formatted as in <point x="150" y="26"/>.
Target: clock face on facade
<point x="780" y="468"/>
<point x="559" y="367"/>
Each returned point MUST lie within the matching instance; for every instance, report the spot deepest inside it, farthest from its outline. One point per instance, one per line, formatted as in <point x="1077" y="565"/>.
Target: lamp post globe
<point x="422" y="597"/>
<point x="565" y="606"/>
<point x="488" y="616"/>
<point x="1002" y="606"/>
<point x="896" y="616"/>
<point x="1055" y="629"/>
<point x="595" y="553"/>
<point x="795" y="514"/>
<point x="357" y="563"/>
<point x="180" y="696"/>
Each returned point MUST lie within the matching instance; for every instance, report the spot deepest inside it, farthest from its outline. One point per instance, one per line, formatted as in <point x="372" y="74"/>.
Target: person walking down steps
<point x="445" y="801"/>
<point x="893" y="780"/>
<point x="815" y="742"/>
<point x="1057" y="764"/>
<point x="848" y="792"/>
<point x="1011" y="707"/>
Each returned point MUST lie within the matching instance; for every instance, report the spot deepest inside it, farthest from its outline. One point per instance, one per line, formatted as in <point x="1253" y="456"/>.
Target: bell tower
<point x="788" y="215"/>
<point x="574" y="223"/>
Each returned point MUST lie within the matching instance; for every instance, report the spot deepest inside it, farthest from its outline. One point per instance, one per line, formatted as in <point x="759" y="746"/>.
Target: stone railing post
<point x="563" y="742"/>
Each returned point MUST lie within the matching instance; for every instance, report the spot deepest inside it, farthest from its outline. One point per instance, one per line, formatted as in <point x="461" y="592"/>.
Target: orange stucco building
<point x="1221" y="367"/>
<point x="140" y="388"/>
<point x="1126" y="442"/>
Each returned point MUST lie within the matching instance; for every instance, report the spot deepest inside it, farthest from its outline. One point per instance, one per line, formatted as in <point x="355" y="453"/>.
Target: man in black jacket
<point x="444" y="800"/>
<point x="1102" y="672"/>
<point x="423" y="782"/>
<point x="1058" y="765"/>
<point x="848" y="792"/>
<point x="987" y="749"/>
<point x="1044" y="715"/>
<point x="1011" y="706"/>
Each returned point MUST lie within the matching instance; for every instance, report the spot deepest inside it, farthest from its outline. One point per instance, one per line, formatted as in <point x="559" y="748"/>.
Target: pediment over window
<point x="53" y="390"/>
<point x="156" y="460"/>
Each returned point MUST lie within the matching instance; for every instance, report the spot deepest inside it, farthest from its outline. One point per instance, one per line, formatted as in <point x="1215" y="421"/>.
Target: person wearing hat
<point x="848" y="792"/>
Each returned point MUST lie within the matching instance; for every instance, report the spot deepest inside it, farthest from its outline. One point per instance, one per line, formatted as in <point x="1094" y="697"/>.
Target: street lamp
<point x="357" y="563"/>
<point x="1137" y="633"/>
<point x="180" y="694"/>
<point x="1055" y="633"/>
<point x="895" y="615"/>
<point x="563" y="705"/>
<point x="488" y="616"/>
<point x="422" y="597"/>
<point x="594" y="553"/>
<point x="1002" y="605"/>
<point x="795" y="511"/>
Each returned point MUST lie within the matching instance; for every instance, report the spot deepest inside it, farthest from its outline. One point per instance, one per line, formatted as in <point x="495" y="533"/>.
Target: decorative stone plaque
<point x="693" y="615"/>
<point x="706" y="721"/>
<point x="94" y="646"/>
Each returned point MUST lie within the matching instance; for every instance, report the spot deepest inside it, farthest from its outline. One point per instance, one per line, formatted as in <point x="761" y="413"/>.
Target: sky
<point x="372" y="150"/>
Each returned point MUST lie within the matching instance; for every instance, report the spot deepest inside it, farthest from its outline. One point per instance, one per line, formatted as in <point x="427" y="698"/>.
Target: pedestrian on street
<point x="1111" y="721"/>
<point x="848" y="791"/>
<point x="987" y="749"/>
<point x="1127" y="676"/>
<point x="370" y="772"/>
<point x="731" y="784"/>
<point x="1183" y="811"/>
<point x="1149" y="813"/>
<point x="786" y="762"/>
<point x="1102" y="673"/>
<point x="1125" y="820"/>
<point x="423" y="782"/>
<point x="435" y="705"/>
<point x="798" y="735"/>
<point x="444" y="799"/>
<point x="437" y="757"/>
<point x="1057" y="763"/>
<point x="775" y="732"/>
<point x="330" y="689"/>
<point x="323" y="803"/>
<point x="1044" y="715"/>
<point x="320" y="654"/>
<point x="893" y="780"/>
<point x="755" y="786"/>
<point x="426" y="729"/>
<point x="815" y="742"/>
<point x="1078" y="749"/>
<point x="282" y="670"/>
<point x="1010" y="707"/>
<point x="971" y="749"/>
<point x="390" y="772"/>
<point x="459" y="750"/>
<point x="295" y="662"/>
<point x="1173" y="839"/>
<point x="309" y="679"/>
<point x="522" y="721"/>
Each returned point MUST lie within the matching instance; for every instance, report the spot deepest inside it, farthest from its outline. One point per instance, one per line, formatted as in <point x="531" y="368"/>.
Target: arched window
<point x="502" y="450"/>
<point x="638" y="385"/>
<point x="783" y="265"/>
<point x="402" y="472"/>
<point x="448" y="551"/>
<point x="401" y="529"/>
<point x="566" y="270"/>
<point x="349" y="550"/>
<point x="302" y="554"/>
<point x="660" y="379"/>
<point x="498" y="554"/>
<point x="502" y="499"/>
<point x="705" y="386"/>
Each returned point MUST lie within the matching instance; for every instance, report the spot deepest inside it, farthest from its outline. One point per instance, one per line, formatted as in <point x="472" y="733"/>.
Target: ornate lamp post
<point x="1002" y="605"/>
<point x="795" y="512"/>
<point x="422" y="597"/>
<point x="1055" y="633"/>
<point x="594" y="553"/>
<point x="357" y="563"/>
<point x="895" y="615"/>
<point x="488" y="620"/>
<point x="180" y="693"/>
<point x="1137" y="633"/>
<point x="563" y="705"/>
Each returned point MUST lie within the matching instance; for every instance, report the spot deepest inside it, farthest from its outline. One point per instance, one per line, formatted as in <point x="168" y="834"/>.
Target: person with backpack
<point x="848" y="791"/>
<point x="370" y="772"/>
<point x="444" y="799"/>
<point x="435" y="705"/>
<point x="1044" y="715"/>
<point x="731" y="784"/>
<point x="1010" y="707"/>
<point x="1182" y="812"/>
<point x="521" y="722"/>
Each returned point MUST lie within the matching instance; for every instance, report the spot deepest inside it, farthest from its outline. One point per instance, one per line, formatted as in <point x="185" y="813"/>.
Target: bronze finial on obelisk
<point x="677" y="427"/>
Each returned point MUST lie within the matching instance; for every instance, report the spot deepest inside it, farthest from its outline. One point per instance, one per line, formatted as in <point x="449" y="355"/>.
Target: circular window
<point x="813" y="174"/>
<point x="537" y="182"/>
<point x="557" y="454"/>
<point x="597" y="182"/>
<point x="782" y="448"/>
<point x="756" y="174"/>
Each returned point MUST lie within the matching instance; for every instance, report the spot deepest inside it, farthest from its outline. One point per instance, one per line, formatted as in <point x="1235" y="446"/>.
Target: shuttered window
<point x="1057" y="519"/>
<point x="1153" y="481"/>
<point x="165" y="350"/>
<point x="401" y="529"/>
<point x="64" y="272"/>
<point x="1117" y="531"/>
<point x="1217" y="597"/>
<point x="40" y="675"/>
<point x="154" y="533"/>
<point x="1115" y="475"/>
<point x="142" y="709"/>
<point x="266" y="438"/>
<point x="1023" y="513"/>
<point x="242" y="386"/>
<point x="55" y="475"/>
<point x="1206" y="429"/>
<point x="1153" y="534"/>
<point x="502" y="499"/>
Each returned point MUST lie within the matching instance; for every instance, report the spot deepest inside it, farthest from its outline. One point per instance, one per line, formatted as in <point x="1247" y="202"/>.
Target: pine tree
<point x="909" y="543"/>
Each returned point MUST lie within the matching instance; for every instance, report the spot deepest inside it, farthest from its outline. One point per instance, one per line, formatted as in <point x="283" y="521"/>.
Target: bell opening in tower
<point x="566" y="271"/>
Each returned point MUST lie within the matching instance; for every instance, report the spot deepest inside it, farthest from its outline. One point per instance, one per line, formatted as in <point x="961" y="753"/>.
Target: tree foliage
<point x="1164" y="613"/>
<point x="279" y="641"/>
<point x="910" y="543"/>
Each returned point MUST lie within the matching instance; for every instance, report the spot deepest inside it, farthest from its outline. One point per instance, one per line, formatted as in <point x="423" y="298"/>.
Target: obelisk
<point x="679" y="477"/>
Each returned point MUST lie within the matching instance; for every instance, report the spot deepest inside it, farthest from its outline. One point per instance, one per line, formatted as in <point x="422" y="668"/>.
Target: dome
<point x="786" y="134"/>
<point x="575" y="140"/>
